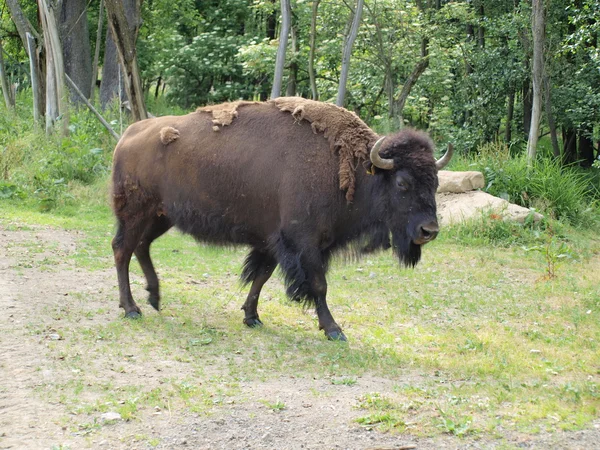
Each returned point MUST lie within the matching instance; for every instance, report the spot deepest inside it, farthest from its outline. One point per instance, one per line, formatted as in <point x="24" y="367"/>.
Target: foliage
<point x="45" y="168"/>
<point x="562" y="192"/>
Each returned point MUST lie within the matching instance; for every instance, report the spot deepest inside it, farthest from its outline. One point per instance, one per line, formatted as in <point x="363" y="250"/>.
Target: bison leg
<point x="258" y="268"/>
<point x="326" y="321"/>
<point x="123" y="244"/>
<point x="304" y="268"/>
<point x="142" y="252"/>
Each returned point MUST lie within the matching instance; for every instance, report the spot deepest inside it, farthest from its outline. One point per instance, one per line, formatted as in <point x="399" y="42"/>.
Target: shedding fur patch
<point x="168" y="135"/>
<point x="224" y="113"/>
<point x="347" y="134"/>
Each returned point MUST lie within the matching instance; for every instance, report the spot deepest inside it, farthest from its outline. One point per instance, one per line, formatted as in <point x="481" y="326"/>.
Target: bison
<point x="294" y="179"/>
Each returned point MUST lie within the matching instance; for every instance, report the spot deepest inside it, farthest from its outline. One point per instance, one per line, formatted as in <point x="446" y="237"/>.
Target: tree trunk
<point x="283" y="38"/>
<point x="510" y="109"/>
<point x="413" y="78"/>
<point x="111" y="72"/>
<point x="347" y="53"/>
<point x="23" y="27"/>
<point x="311" y="55"/>
<point x="75" y="40"/>
<point x="97" y="50"/>
<point x="569" y="145"/>
<point x="124" y="39"/>
<point x="6" y="90"/>
<point x="109" y="86"/>
<point x="538" y="30"/>
<point x="481" y="29"/>
<point x="292" y="88"/>
<point x="550" y="115"/>
<point x="56" y="102"/>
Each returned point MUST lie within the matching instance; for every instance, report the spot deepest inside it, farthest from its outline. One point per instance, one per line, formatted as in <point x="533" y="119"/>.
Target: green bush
<point x="42" y="167"/>
<point x="566" y="193"/>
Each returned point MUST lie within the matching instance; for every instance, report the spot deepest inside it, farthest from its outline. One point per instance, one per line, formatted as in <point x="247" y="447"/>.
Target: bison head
<point x="407" y="173"/>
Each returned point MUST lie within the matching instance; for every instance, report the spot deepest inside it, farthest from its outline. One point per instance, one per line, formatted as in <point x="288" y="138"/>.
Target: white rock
<point x="460" y="181"/>
<point x="110" y="416"/>
<point x="456" y="208"/>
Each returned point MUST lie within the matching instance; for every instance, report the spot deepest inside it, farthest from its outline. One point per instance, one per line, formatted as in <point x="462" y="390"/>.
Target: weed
<point x="275" y="406"/>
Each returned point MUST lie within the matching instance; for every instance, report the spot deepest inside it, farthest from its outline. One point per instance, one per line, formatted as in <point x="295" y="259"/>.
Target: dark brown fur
<point x="271" y="182"/>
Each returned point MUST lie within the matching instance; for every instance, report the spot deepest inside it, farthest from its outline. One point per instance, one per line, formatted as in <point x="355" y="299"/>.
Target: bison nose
<point x="428" y="232"/>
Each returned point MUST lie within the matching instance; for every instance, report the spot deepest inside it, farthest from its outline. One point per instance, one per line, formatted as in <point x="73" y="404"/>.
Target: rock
<point x="110" y="416"/>
<point x="455" y="208"/>
<point x="457" y="182"/>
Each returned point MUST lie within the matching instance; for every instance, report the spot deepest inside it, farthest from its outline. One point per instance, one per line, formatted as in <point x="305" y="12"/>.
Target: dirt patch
<point x="46" y="301"/>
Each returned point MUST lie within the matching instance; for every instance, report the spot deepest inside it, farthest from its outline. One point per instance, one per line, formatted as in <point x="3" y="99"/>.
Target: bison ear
<point x="369" y="167"/>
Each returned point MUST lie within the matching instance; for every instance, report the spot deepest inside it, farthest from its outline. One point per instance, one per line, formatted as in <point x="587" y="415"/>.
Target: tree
<point x="347" y="53"/>
<point x="311" y="57"/>
<point x="124" y="40"/>
<point x="75" y="40"/>
<point x="24" y="27"/>
<point x="539" y="32"/>
<point x="113" y="75"/>
<point x="283" y="38"/>
<point x="56" y="101"/>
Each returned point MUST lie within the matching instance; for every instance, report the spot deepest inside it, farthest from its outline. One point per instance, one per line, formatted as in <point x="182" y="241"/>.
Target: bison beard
<point x="405" y="249"/>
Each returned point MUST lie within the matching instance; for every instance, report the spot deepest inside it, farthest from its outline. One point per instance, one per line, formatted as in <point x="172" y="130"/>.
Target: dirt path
<point x="36" y="275"/>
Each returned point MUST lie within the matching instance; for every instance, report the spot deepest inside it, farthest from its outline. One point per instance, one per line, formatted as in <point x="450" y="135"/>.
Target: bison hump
<point x="346" y="133"/>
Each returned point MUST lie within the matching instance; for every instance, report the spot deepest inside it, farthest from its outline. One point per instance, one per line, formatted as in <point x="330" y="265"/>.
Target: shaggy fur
<point x="168" y="135"/>
<point x="270" y="179"/>
<point x="349" y="136"/>
<point x="224" y="113"/>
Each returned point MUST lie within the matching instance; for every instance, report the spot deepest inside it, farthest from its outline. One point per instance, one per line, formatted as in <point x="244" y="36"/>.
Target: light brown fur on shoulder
<point x="224" y="113"/>
<point x="347" y="134"/>
<point x="168" y="135"/>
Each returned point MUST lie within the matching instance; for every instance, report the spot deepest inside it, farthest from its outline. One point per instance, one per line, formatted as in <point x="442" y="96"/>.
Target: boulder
<point x="454" y="208"/>
<point x="457" y="182"/>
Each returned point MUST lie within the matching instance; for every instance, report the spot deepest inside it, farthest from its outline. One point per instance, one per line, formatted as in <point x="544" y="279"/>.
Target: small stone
<point x="110" y="416"/>
<point x="54" y="336"/>
<point x="533" y="350"/>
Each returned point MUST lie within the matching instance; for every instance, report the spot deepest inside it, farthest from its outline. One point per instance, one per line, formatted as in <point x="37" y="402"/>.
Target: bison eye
<point x="402" y="184"/>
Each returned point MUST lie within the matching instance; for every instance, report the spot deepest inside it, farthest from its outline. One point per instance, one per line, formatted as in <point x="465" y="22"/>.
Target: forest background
<point x="472" y="73"/>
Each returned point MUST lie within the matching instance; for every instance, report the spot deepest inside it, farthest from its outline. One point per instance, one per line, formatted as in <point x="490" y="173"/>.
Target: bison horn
<point x="378" y="161"/>
<point x="444" y="160"/>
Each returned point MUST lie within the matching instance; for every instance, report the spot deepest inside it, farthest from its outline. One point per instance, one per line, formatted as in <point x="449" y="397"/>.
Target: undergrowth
<point x="566" y="193"/>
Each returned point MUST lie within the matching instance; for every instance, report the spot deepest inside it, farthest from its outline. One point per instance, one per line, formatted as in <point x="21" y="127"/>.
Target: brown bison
<point x="296" y="180"/>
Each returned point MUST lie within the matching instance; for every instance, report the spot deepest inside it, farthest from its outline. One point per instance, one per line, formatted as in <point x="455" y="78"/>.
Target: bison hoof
<point x="336" y="336"/>
<point x="154" y="300"/>
<point x="133" y="315"/>
<point x="254" y="322"/>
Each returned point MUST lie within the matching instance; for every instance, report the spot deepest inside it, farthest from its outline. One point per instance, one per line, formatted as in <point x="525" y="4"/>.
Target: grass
<point x="476" y="339"/>
<point x="496" y="330"/>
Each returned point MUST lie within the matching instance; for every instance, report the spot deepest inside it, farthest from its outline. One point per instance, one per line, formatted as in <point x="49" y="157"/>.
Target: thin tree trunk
<point x="33" y="51"/>
<point x="413" y="77"/>
<point x="125" y="42"/>
<point x="311" y="55"/>
<point x="293" y="68"/>
<point x="283" y="38"/>
<point x="157" y="86"/>
<point x="550" y="115"/>
<point x="55" y="70"/>
<point x="510" y="109"/>
<point x="347" y="53"/>
<point x="538" y="31"/>
<point x="97" y="49"/>
<point x="91" y="107"/>
<point x="6" y="91"/>
<point x="35" y="76"/>
<point x="569" y="145"/>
